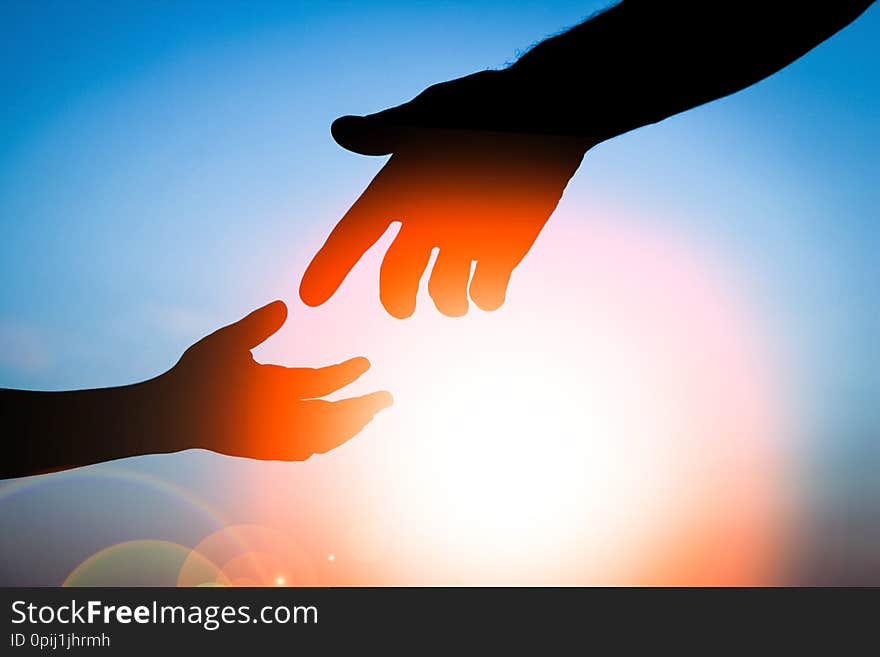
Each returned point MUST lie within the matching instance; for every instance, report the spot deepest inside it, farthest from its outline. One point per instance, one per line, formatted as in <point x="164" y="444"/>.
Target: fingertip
<point x="384" y="399"/>
<point x="399" y="309"/>
<point x="488" y="292"/>
<point x="277" y="311"/>
<point x="310" y="294"/>
<point x="448" y="300"/>
<point x="266" y="320"/>
<point x="344" y="127"/>
<point x="488" y="301"/>
<point x="365" y="135"/>
<point x="273" y="308"/>
<point x="374" y="402"/>
<point x="488" y="288"/>
<point x="363" y="361"/>
<point x="358" y="364"/>
<point x="450" y="308"/>
<point x="448" y="285"/>
<point x="310" y="301"/>
<point x="278" y="307"/>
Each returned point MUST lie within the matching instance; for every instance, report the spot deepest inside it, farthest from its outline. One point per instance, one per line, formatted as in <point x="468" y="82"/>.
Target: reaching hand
<point x="231" y="404"/>
<point x="478" y="196"/>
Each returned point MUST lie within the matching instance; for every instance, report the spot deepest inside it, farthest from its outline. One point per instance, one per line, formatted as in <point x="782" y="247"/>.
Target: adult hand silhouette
<point x="477" y="196"/>
<point x="233" y="405"/>
<point x="479" y="163"/>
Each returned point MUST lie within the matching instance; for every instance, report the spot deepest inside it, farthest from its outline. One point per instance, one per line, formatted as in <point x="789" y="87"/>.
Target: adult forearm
<point x="639" y="62"/>
<point x="642" y="61"/>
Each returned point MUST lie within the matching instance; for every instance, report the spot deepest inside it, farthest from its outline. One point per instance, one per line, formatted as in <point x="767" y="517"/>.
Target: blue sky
<point x="140" y="141"/>
<point x="149" y="149"/>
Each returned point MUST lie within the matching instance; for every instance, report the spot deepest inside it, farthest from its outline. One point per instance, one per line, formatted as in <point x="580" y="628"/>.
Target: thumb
<point x="366" y="135"/>
<point x="255" y="328"/>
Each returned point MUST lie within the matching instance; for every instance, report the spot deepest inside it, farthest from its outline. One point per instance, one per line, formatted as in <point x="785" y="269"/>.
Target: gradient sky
<point x="165" y="167"/>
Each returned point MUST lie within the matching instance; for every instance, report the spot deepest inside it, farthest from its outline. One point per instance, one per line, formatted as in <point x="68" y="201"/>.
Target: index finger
<point x="356" y="232"/>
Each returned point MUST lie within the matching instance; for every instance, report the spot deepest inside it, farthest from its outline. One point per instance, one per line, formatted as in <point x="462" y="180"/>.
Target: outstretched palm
<point x="231" y="404"/>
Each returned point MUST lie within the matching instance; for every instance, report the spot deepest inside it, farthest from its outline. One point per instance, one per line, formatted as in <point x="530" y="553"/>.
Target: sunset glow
<point x="576" y="435"/>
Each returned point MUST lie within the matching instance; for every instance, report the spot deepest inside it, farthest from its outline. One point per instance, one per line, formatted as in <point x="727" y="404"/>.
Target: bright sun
<point x="615" y="422"/>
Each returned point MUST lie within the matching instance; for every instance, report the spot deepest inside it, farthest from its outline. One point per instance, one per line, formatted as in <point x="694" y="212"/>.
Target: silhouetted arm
<point x="216" y="397"/>
<point x="644" y="60"/>
<point x="636" y="63"/>
<point x="48" y="431"/>
<point x="479" y="163"/>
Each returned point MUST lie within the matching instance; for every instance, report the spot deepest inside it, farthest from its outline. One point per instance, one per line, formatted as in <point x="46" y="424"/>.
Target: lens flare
<point x="618" y="421"/>
<point x="250" y="555"/>
<point x="142" y="563"/>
